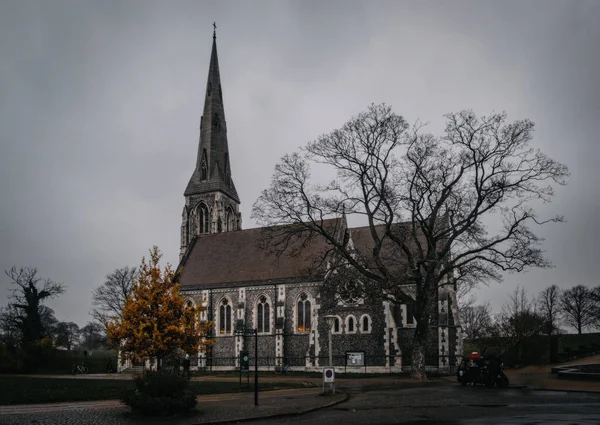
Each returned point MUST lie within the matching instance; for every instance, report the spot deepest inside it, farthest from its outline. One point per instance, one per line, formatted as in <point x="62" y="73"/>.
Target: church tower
<point x="211" y="200"/>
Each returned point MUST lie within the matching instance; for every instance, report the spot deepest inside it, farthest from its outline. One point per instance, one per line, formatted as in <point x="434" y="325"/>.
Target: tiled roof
<point x="229" y="259"/>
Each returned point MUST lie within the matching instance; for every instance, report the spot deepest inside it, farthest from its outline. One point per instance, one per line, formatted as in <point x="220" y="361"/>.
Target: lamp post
<point x="330" y="322"/>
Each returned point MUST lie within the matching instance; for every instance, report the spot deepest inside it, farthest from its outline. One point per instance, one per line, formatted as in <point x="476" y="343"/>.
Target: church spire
<point x="212" y="172"/>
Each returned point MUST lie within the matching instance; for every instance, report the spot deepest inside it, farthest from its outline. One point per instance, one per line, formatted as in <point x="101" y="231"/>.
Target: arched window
<point x="350" y="324"/>
<point x="263" y="315"/>
<point x="203" y="218"/>
<point x="229" y="220"/>
<point x="303" y="314"/>
<point x="365" y="324"/>
<point x="224" y="317"/>
<point x="203" y="167"/>
<point x="337" y="326"/>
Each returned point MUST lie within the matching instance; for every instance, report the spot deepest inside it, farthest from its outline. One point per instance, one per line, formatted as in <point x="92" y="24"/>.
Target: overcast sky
<point x="100" y="104"/>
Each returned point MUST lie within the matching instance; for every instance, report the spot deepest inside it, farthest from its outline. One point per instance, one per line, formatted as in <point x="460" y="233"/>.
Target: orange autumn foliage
<point x="156" y="321"/>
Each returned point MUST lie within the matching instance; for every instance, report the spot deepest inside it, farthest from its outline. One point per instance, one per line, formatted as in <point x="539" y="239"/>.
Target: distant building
<point x="243" y="286"/>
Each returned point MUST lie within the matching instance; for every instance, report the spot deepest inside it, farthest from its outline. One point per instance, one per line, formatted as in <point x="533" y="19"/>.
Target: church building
<point x="242" y="286"/>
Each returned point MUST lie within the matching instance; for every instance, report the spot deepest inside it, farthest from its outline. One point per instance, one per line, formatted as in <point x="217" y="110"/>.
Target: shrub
<point x="160" y="394"/>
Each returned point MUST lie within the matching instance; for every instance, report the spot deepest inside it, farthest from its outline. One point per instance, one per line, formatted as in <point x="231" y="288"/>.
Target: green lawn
<point x="24" y="390"/>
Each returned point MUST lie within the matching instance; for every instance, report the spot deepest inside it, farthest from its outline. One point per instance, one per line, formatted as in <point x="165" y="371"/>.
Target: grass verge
<point x="23" y="390"/>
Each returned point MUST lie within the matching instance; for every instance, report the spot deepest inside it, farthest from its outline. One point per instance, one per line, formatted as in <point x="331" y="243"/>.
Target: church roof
<point x="239" y="258"/>
<point x="229" y="259"/>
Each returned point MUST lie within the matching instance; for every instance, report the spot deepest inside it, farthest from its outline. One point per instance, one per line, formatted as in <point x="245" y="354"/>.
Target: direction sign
<point x="328" y="375"/>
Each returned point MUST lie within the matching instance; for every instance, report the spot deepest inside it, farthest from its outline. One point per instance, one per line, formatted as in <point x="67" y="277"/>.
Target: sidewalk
<point x="211" y="409"/>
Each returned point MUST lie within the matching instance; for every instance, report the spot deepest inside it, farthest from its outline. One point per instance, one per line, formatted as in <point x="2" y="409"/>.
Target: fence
<point x="349" y="363"/>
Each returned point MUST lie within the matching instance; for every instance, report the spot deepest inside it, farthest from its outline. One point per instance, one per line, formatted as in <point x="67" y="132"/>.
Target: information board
<point x="355" y="358"/>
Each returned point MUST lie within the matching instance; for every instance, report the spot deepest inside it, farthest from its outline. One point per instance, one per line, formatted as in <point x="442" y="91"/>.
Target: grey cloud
<point x="100" y="105"/>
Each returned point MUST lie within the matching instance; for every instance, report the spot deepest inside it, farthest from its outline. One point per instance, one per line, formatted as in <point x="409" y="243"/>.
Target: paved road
<point x="450" y="404"/>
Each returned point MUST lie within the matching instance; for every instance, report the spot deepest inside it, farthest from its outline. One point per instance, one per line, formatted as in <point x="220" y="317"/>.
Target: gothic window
<point x="365" y="324"/>
<point x="216" y="122"/>
<point x="225" y="317"/>
<point x="337" y="326"/>
<point x="303" y="314"/>
<point x="209" y="88"/>
<point x="263" y="315"/>
<point x="229" y="220"/>
<point x="350" y="324"/>
<point x="203" y="218"/>
<point x="203" y="167"/>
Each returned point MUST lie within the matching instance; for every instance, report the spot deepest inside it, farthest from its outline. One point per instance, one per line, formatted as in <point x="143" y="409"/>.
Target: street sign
<point x="328" y="375"/>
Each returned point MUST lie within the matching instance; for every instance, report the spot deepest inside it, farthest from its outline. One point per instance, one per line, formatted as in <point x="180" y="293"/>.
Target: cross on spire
<point x="214" y="30"/>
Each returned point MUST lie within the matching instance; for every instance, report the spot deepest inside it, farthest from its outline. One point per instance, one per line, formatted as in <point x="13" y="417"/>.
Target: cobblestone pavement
<point x="210" y="409"/>
<point x="382" y="399"/>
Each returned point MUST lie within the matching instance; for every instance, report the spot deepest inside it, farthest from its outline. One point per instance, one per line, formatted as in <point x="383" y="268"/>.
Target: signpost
<point x="329" y="378"/>
<point x="244" y="367"/>
<point x="254" y="332"/>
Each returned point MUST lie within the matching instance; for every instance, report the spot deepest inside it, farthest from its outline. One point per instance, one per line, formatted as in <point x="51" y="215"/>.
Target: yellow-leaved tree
<point x="156" y="321"/>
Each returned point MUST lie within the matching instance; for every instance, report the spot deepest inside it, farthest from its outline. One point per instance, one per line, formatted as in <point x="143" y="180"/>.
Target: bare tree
<point x="464" y="295"/>
<point x="425" y="200"/>
<point x="476" y="321"/>
<point x="518" y="319"/>
<point x="578" y="307"/>
<point x="596" y="300"/>
<point x="28" y="295"/>
<point x="548" y="307"/>
<point x="109" y="298"/>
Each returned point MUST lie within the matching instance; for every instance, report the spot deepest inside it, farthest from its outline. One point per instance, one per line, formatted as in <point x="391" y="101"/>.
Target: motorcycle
<point x="485" y="369"/>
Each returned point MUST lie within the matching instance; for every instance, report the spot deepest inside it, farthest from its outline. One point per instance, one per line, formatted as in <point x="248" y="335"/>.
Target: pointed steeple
<point x="213" y="172"/>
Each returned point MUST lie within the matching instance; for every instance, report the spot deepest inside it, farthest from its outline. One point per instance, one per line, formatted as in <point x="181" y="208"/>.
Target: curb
<point x="277" y="415"/>
<point x="566" y="391"/>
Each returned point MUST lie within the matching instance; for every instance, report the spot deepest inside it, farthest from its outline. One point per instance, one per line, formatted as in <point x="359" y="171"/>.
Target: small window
<point x="351" y="324"/>
<point x="336" y="325"/>
<point x="229" y="220"/>
<point x="203" y="218"/>
<point x="204" y="166"/>
<point x="366" y="324"/>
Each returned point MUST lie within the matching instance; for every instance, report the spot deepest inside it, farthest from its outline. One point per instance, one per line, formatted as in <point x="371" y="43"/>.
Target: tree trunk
<point x="419" y="349"/>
